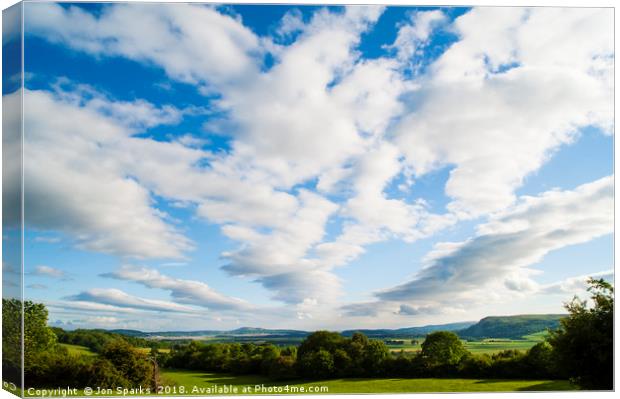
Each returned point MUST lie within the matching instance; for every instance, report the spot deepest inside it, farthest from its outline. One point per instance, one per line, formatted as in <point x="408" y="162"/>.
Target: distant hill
<point x="410" y="331"/>
<point x="513" y="327"/>
<point x="269" y="333"/>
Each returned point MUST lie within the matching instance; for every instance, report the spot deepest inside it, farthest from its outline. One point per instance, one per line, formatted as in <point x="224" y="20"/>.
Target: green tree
<point x="583" y="345"/>
<point x="38" y="337"/>
<point x="319" y="364"/>
<point x="539" y="360"/>
<point x="442" y="348"/>
<point x="329" y="341"/>
<point x="375" y="353"/>
<point x="132" y="364"/>
<point x="11" y="340"/>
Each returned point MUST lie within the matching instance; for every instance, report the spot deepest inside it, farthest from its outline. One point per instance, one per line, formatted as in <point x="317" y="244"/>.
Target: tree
<point x="38" y="337"/>
<point x="583" y="345"/>
<point x="442" y="348"/>
<point x="539" y="360"/>
<point x="130" y="363"/>
<point x="319" y="364"/>
<point x="375" y="353"/>
<point x="329" y="341"/>
<point x="11" y="340"/>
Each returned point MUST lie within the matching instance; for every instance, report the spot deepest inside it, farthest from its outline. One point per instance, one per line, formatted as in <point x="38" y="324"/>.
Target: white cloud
<point x="116" y="297"/>
<point x="183" y="291"/>
<point x="497" y="103"/>
<point x="576" y="285"/>
<point x="48" y="271"/>
<point x="500" y="256"/>
<point x="193" y="43"/>
<point x="413" y="35"/>
<point x="75" y="184"/>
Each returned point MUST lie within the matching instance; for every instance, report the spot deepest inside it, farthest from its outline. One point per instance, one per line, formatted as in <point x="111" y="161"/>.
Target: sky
<point x="194" y="166"/>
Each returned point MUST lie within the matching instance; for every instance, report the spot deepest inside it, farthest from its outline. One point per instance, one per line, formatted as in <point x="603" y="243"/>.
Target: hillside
<point x="410" y="331"/>
<point x="513" y="327"/>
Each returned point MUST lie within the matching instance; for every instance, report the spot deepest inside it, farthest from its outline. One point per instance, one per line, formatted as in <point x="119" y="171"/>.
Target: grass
<point x="190" y="383"/>
<point x="488" y="346"/>
<point x="78" y="350"/>
<point x="493" y="346"/>
<point x="148" y="350"/>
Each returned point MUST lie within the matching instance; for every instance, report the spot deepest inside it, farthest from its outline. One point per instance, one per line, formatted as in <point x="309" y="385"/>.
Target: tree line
<point x="581" y="349"/>
<point x="48" y="364"/>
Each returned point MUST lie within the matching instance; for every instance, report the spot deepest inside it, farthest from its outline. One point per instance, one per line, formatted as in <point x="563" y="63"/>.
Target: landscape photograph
<point x="211" y="199"/>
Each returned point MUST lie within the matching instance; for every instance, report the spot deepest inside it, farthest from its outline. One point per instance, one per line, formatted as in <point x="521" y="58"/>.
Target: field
<point x="488" y="346"/>
<point x="189" y="381"/>
<point x="148" y="350"/>
<point x="78" y="350"/>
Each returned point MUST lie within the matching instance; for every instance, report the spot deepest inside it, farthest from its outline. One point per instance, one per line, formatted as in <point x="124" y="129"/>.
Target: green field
<point x="186" y="381"/>
<point x="78" y="350"/>
<point x="488" y="346"/>
<point x="148" y="350"/>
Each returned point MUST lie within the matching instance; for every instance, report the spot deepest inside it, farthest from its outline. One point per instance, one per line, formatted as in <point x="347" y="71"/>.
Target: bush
<point x="57" y="368"/>
<point x="130" y="363"/>
<point x="102" y="373"/>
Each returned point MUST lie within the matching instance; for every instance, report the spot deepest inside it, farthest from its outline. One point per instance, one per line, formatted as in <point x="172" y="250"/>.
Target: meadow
<point x="188" y="380"/>
<point x="488" y="346"/>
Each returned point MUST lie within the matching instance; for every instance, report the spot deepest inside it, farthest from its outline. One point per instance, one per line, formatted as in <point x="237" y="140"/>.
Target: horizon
<point x="311" y="167"/>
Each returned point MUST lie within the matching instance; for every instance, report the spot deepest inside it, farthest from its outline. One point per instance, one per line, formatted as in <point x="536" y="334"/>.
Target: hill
<point x="410" y="331"/>
<point x="512" y="327"/>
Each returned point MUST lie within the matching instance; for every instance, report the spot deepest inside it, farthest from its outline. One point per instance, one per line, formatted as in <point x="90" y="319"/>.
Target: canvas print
<point x="226" y="199"/>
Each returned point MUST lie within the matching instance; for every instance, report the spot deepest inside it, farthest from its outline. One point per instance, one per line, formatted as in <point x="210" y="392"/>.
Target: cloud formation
<point x="116" y="297"/>
<point x="318" y="138"/>
<point x="182" y="291"/>
<point x="499" y="258"/>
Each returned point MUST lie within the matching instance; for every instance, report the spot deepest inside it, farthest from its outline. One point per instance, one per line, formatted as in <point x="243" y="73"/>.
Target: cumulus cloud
<point x="193" y="43"/>
<point x="515" y="87"/>
<point x="75" y="146"/>
<point x="182" y="291"/>
<point x="413" y="35"/>
<point x="500" y="256"/>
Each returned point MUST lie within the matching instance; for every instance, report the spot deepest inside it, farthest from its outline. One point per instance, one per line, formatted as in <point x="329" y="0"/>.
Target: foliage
<point x="130" y="363"/>
<point x="583" y="345"/>
<point x="11" y="340"/>
<point x="442" y="349"/>
<point x="95" y="340"/>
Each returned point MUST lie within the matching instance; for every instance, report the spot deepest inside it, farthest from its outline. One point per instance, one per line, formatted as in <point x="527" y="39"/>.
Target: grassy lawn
<point x="78" y="350"/>
<point x="190" y="379"/>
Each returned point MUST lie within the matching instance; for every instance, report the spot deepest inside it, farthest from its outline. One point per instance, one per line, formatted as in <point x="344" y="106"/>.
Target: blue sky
<point x="198" y="167"/>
